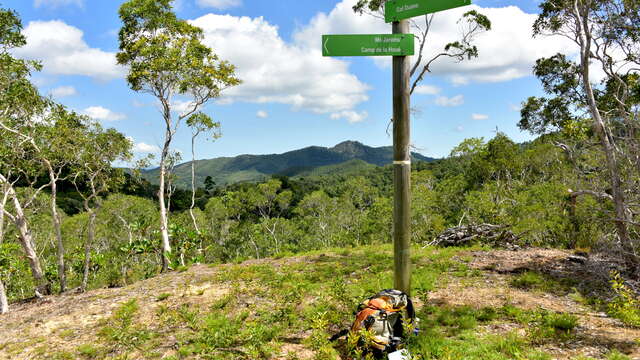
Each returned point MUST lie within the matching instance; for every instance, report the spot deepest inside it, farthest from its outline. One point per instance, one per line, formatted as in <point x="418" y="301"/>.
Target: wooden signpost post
<point x="400" y="45"/>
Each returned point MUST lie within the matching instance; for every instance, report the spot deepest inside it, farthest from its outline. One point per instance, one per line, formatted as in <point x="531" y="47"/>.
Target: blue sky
<point x="292" y="97"/>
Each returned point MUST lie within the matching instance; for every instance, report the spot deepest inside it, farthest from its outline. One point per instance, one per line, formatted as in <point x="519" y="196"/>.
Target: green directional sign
<point x="368" y="45"/>
<point x="396" y="10"/>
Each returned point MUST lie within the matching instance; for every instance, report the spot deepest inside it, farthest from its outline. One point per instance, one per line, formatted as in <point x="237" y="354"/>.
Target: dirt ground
<point x="64" y="322"/>
<point x="597" y="334"/>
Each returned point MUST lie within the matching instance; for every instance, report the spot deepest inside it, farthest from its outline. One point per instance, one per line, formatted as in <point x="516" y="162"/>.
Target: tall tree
<point x="166" y="58"/>
<point x="607" y="33"/>
<point x="94" y="176"/>
<point x="21" y="111"/>
<point x="58" y="146"/>
<point x="4" y="197"/>
<point x="199" y="123"/>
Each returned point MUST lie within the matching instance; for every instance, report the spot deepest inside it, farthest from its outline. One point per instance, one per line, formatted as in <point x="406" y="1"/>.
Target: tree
<point x="459" y="50"/>
<point x="270" y="201"/>
<point x="94" y="176"/>
<point x="199" y="123"/>
<point x="320" y="210"/>
<point x="21" y="108"/>
<point x="58" y="144"/>
<point x="173" y="160"/>
<point x="166" y="59"/>
<point x="607" y="35"/>
<point x="209" y="184"/>
<point x="4" y="303"/>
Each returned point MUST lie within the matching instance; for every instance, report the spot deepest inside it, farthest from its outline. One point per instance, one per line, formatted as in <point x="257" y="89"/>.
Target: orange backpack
<point x="382" y="316"/>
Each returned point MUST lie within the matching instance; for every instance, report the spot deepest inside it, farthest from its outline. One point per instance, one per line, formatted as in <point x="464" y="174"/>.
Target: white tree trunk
<point x="4" y="303"/>
<point x="58" y="231"/>
<point x="26" y="240"/>
<point x="585" y="40"/>
<point x="193" y="183"/>
<point x="164" y="219"/>
<point x="87" y="250"/>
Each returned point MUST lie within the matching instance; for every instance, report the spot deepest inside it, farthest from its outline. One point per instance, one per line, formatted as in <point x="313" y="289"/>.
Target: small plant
<point x="88" y="351"/>
<point x="625" y="306"/>
<point x="487" y="314"/>
<point x="551" y="326"/>
<point x="163" y="297"/>
<point x="562" y="322"/>
<point x="528" y="280"/>
<point x="120" y="328"/>
<point x="616" y="355"/>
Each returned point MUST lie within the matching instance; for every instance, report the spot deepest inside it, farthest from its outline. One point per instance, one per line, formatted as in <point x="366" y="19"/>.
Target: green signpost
<point x="368" y="45"/>
<point x="396" y="10"/>
<point x="400" y="45"/>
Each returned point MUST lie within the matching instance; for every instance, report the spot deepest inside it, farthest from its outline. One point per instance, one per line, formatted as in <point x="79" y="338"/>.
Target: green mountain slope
<point x="345" y="158"/>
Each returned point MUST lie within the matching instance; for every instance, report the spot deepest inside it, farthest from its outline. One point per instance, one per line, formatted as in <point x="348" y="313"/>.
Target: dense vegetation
<point x="525" y="186"/>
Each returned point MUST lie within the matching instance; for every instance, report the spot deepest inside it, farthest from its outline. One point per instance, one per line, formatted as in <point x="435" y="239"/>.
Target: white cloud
<point x="56" y="3"/>
<point x="507" y="52"/>
<point x="274" y="71"/>
<point x="219" y="4"/>
<point x="143" y="148"/>
<point x="479" y="116"/>
<point x="459" y="128"/>
<point x="182" y="106"/>
<point x="450" y="102"/>
<point x="63" y="51"/>
<point x="262" y="114"/>
<point x="351" y="116"/>
<point x="427" y="90"/>
<point x="101" y="113"/>
<point x="294" y="72"/>
<point x="63" y="91"/>
<point x="138" y="104"/>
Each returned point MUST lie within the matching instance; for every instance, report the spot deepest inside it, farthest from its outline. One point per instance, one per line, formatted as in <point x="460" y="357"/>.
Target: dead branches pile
<point x="496" y="235"/>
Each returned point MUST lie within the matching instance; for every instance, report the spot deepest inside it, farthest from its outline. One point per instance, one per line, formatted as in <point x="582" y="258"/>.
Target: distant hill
<point x="345" y="158"/>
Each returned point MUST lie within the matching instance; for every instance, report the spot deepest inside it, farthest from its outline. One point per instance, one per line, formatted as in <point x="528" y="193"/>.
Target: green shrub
<point x="120" y="330"/>
<point x="625" y="306"/>
<point x="528" y="280"/>
<point x="562" y="322"/>
<point x="88" y="351"/>
<point x="163" y="296"/>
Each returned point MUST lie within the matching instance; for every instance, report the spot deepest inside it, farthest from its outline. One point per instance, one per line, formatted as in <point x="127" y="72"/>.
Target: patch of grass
<point x="120" y="329"/>
<point x="88" y="351"/>
<point x="517" y="314"/>
<point x="561" y="321"/>
<point x="433" y="345"/>
<point x="616" y="355"/>
<point x="163" y="297"/>
<point x="532" y="280"/>
<point x="528" y="280"/>
<point x="549" y="326"/>
<point x="61" y="355"/>
<point x="66" y="333"/>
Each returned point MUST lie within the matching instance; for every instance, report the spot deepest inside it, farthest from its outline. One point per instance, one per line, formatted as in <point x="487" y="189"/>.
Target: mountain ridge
<point x="300" y="162"/>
